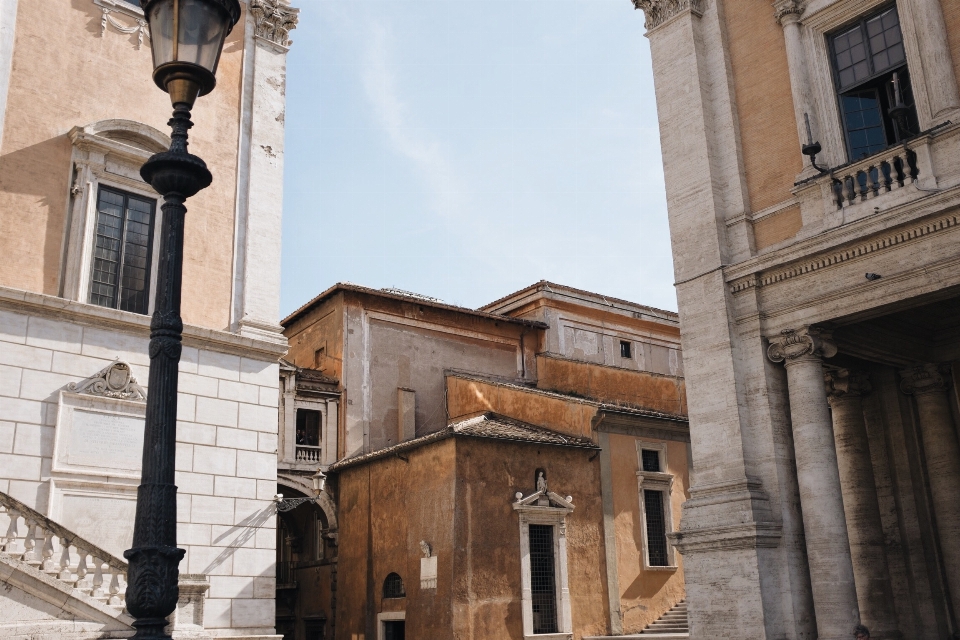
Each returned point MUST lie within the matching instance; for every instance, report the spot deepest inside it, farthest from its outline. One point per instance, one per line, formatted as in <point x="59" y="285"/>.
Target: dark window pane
<point x="656" y="528"/>
<point x="543" y="586"/>
<point x="121" y="265"/>
<point x="308" y="427"/>
<point x="885" y="40"/>
<point x="394" y="630"/>
<point x="863" y="122"/>
<point x="393" y="587"/>
<point x="650" y="459"/>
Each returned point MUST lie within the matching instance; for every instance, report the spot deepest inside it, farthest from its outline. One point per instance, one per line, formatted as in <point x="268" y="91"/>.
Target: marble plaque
<point x="105" y="440"/>
<point x="104" y="520"/>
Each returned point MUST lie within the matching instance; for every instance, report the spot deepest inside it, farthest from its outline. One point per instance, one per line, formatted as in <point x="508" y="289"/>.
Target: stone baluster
<point x="47" y="563"/>
<point x="13" y="533"/>
<point x="927" y="384"/>
<point x="818" y="476"/>
<point x="30" y="544"/>
<point x="861" y="507"/>
<point x="115" y="598"/>
<point x="65" y="574"/>
<point x="97" y="585"/>
<point x="82" y="582"/>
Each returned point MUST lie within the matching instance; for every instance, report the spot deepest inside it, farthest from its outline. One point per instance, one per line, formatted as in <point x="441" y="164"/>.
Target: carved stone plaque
<point x="105" y="440"/>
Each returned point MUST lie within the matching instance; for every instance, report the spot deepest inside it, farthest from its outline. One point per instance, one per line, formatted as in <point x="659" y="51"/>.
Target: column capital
<point x="659" y="11"/>
<point x="925" y="378"/>
<point x="274" y="20"/>
<point x="848" y="383"/>
<point x="788" y="11"/>
<point x="804" y="343"/>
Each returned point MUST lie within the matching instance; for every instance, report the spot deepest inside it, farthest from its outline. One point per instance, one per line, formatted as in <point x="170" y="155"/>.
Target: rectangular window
<point x="394" y="630"/>
<point x="308" y="427"/>
<point x="656" y="528"/>
<point x="625" y="351"/>
<point x="873" y="84"/>
<point x="650" y="459"/>
<point x="543" y="584"/>
<point x="122" y="253"/>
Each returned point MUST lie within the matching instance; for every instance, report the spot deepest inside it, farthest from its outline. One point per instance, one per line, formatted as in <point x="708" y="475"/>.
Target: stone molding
<point x="659" y="11"/>
<point x="809" y="266"/>
<point x="925" y="378"/>
<point x="796" y="344"/>
<point x="113" y="381"/>
<point x="750" y="535"/>
<point x="846" y="383"/>
<point x="274" y="20"/>
<point x="788" y="10"/>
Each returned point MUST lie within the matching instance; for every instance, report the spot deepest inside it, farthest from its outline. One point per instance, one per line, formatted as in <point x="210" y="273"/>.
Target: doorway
<point x="394" y="629"/>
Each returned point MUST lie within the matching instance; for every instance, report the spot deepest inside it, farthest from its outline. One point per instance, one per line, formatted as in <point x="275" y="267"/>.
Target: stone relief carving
<point x="659" y="11"/>
<point x="925" y="378"/>
<point x="425" y="548"/>
<point x="846" y="382"/>
<point x="118" y="7"/>
<point x="113" y="381"/>
<point x="796" y="343"/>
<point x="274" y="20"/>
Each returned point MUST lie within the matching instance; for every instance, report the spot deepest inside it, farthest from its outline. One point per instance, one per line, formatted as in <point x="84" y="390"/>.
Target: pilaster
<point x="928" y="385"/>
<point x="8" y="24"/>
<point x="256" y="288"/>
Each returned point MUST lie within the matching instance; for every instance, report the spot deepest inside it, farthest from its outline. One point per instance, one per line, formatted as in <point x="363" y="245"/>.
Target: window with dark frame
<point x="543" y="583"/>
<point x="656" y="528"/>
<point x="308" y="427"/>
<point x="650" y="458"/>
<point x="873" y="84"/>
<point x="625" y="350"/>
<point x="393" y="587"/>
<point x="122" y="251"/>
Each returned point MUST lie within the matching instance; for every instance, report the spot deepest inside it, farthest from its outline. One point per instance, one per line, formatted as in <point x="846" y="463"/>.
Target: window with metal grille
<point x="393" y="587"/>
<point x="656" y="528"/>
<point x="543" y="586"/>
<point x="625" y="350"/>
<point x="122" y="253"/>
<point x="394" y="630"/>
<point x="873" y="84"/>
<point x="650" y="459"/>
<point x="308" y="427"/>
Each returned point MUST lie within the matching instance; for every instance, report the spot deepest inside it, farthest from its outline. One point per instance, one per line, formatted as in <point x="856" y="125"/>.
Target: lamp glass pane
<point x="203" y="27"/>
<point x="161" y="32"/>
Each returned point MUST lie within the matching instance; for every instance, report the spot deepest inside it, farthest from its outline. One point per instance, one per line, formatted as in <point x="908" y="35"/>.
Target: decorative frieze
<point x="274" y="20"/>
<point x="113" y="381"/>
<point x="659" y="11"/>
<point x="797" y="343"/>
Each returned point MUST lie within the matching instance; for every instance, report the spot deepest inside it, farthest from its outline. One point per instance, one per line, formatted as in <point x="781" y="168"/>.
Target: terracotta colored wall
<point x="644" y="595"/>
<point x="611" y="384"/>
<point x="64" y="74"/>
<point x="951" y="16"/>
<point x="487" y="576"/>
<point x="321" y="327"/>
<point x="466" y="397"/>
<point x="778" y="227"/>
<point x="768" y="132"/>
<point x="386" y="508"/>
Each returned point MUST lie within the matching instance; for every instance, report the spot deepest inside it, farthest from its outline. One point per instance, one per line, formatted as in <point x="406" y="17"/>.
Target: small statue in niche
<point x="541" y="481"/>
<point x="425" y="548"/>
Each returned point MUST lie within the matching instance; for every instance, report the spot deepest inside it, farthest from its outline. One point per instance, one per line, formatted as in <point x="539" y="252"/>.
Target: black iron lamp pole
<point x="187" y="37"/>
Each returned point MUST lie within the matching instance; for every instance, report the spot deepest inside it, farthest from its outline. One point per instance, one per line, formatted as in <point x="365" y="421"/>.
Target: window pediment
<point x="125" y="137"/>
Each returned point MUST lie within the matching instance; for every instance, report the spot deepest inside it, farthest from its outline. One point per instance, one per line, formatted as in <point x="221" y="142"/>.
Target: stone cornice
<point x="749" y="535"/>
<point x="846" y="383"/>
<point x="793" y="344"/>
<point x="925" y="378"/>
<point x="659" y="11"/>
<point x="92" y="315"/>
<point x="274" y="20"/>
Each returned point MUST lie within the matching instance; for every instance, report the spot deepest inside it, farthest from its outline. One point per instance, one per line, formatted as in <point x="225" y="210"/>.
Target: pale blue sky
<point x="464" y="149"/>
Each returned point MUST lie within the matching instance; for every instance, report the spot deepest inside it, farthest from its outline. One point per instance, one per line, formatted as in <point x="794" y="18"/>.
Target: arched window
<point x="393" y="587"/>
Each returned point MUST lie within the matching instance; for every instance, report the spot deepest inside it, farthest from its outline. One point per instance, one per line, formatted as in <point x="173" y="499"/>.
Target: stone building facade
<point x="435" y="423"/>
<point x="811" y="155"/>
<point x="79" y="114"/>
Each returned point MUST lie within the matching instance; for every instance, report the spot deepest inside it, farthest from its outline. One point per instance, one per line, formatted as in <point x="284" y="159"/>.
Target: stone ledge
<point x="752" y="535"/>
<point x="100" y="317"/>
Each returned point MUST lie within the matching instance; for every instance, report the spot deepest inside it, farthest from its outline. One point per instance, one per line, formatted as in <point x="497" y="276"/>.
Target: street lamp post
<point x="187" y="37"/>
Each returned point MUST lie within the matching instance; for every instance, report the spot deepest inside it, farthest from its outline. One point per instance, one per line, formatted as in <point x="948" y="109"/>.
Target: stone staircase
<point x="54" y="583"/>
<point x="671" y="625"/>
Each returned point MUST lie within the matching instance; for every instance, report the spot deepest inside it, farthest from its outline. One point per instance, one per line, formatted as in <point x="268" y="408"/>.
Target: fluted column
<point x="824" y="524"/>
<point x="845" y="389"/>
<point x="928" y="386"/>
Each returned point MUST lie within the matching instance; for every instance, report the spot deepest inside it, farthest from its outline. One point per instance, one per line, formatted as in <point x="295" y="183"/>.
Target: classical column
<point x="824" y="524"/>
<point x="931" y="34"/>
<point x="861" y="507"/>
<point x="928" y="386"/>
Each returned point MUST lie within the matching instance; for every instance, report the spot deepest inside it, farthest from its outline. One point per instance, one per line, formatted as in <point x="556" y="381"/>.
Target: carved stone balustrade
<point x="33" y="538"/>
<point x="307" y="453"/>
<point x="881" y="173"/>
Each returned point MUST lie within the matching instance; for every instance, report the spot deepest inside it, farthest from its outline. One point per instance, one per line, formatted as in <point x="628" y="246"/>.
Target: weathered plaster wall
<point x="612" y="384"/>
<point x="320" y="328"/>
<point x="567" y="415"/>
<point x="764" y="104"/>
<point x="644" y="595"/>
<point x="64" y="74"/>
<point x="951" y="18"/>
<point x="386" y="508"/>
<point x="487" y="579"/>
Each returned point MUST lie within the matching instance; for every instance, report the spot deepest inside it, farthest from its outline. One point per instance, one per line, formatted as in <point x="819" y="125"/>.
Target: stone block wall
<point x="226" y="443"/>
